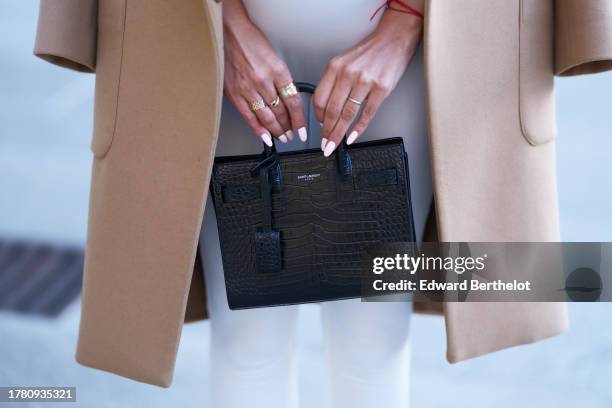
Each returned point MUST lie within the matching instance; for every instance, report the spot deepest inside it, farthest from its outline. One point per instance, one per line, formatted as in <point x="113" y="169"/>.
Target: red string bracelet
<point x="406" y="8"/>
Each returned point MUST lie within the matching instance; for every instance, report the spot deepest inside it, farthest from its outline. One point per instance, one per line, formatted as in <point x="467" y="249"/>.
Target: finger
<point x="323" y="91"/>
<point x="371" y="106"/>
<point x="335" y="104"/>
<point x="293" y="105"/>
<point x="266" y="117"/>
<point x="280" y="111"/>
<point x="251" y="120"/>
<point x="347" y="116"/>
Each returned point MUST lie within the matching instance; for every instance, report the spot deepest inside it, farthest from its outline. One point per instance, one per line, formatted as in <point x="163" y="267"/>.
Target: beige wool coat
<point x="490" y="66"/>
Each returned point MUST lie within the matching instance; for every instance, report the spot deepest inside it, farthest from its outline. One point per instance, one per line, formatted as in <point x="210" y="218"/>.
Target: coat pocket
<point x="111" y="33"/>
<point x="536" y="71"/>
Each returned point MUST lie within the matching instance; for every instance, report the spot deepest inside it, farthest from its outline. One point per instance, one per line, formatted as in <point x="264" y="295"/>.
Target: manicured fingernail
<point x="266" y="139"/>
<point x="289" y="134"/>
<point x="329" y="148"/>
<point x="323" y="143"/>
<point x="303" y="134"/>
<point x="321" y="123"/>
<point x="283" y="138"/>
<point x="352" y="137"/>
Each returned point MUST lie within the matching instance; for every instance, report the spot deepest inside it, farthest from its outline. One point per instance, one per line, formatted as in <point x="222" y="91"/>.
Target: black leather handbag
<point x="293" y="225"/>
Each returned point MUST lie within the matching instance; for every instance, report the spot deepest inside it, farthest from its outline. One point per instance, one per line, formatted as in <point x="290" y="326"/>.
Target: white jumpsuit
<point x="366" y="344"/>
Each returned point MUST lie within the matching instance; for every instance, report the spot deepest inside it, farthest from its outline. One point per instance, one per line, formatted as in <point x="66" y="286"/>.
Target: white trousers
<point x="252" y="359"/>
<point x="366" y="344"/>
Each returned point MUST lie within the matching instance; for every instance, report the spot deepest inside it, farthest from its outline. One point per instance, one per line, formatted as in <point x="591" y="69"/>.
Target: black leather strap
<point x="267" y="239"/>
<point x="263" y="169"/>
<point x="270" y="158"/>
<point x="345" y="163"/>
<point x="266" y="197"/>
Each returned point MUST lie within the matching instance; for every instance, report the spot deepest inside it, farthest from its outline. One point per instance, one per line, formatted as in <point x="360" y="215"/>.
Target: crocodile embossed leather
<point x="293" y="225"/>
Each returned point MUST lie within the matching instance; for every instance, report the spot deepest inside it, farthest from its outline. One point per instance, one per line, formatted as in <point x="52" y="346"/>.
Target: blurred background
<point x="45" y="130"/>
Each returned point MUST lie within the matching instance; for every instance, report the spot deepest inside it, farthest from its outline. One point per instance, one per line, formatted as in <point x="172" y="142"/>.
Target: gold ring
<point x="257" y="105"/>
<point x="275" y="102"/>
<point x="355" y="101"/>
<point x="288" y="90"/>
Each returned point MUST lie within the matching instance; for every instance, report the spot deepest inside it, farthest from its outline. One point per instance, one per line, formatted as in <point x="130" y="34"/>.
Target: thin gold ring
<point x="257" y="105"/>
<point x="275" y="102"/>
<point x="288" y="90"/>
<point x="355" y="101"/>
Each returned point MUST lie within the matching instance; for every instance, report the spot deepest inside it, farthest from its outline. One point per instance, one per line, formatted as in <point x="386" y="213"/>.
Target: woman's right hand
<point x="254" y="72"/>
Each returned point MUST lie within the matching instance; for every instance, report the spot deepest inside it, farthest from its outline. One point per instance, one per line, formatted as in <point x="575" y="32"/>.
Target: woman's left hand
<point x="368" y="72"/>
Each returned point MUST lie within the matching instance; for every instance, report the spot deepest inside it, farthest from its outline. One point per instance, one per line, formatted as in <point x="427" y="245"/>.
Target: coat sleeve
<point x="583" y="36"/>
<point x="67" y="33"/>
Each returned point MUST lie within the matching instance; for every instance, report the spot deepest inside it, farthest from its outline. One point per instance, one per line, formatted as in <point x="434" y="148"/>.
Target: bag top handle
<point x="271" y="155"/>
<point x="305" y="87"/>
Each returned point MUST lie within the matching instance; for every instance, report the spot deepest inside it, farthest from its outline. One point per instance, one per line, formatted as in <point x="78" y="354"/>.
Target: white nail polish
<point x="266" y="139"/>
<point x="323" y="143"/>
<point x="352" y="137"/>
<point x="283" y="138"/>
<point x="321" y="123"/>
<point x="289" y="134"/>
<point x="303" y="134"/>
<point x="329" y="148"/>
